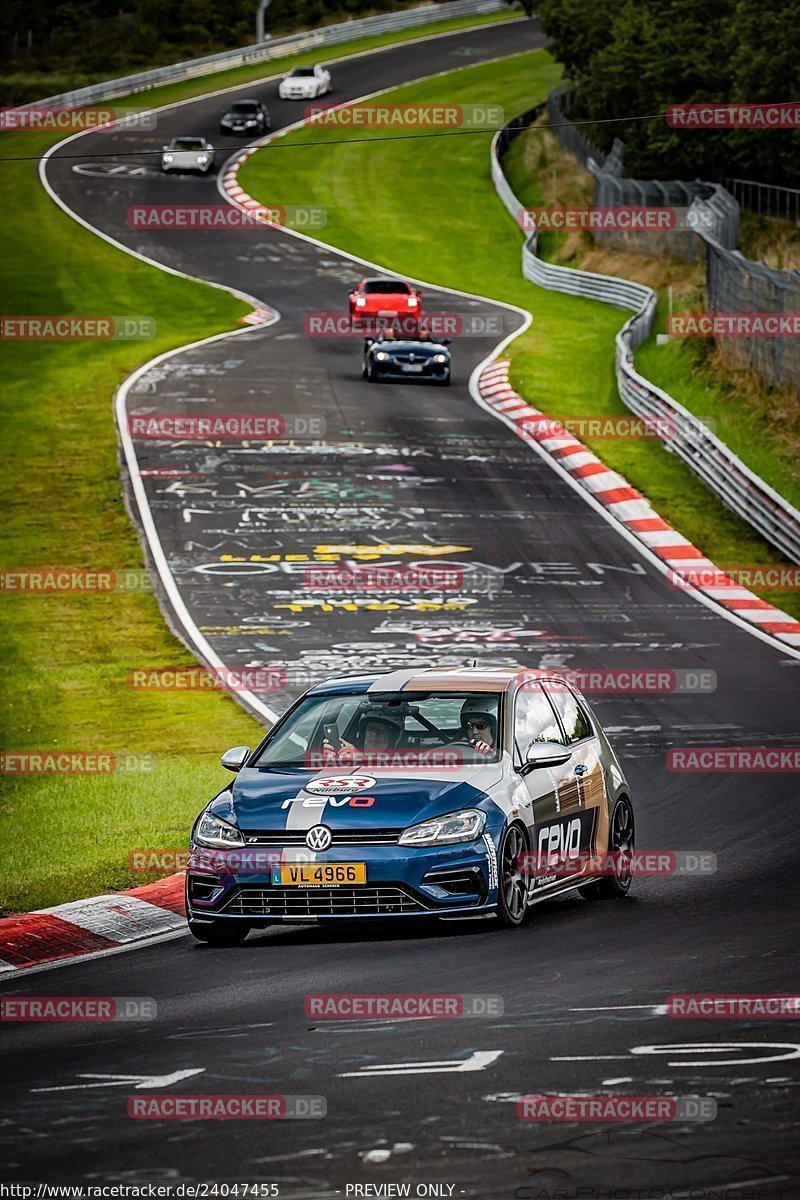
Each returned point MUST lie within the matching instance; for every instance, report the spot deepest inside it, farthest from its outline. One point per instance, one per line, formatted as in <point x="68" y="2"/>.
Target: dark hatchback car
<point x="409" y="358"/>
<point x="245" y="117"/>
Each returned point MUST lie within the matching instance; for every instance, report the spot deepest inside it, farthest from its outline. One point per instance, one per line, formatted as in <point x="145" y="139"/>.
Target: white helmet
<point x="477" y="706"/>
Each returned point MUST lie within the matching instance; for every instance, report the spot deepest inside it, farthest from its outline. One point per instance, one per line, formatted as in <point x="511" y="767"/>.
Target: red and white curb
<point x="631" y="509"/>
<point x="91" y="926"/>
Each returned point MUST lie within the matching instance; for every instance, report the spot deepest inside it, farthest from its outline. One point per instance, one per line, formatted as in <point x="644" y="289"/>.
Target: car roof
<point x="439" y="679"/>
<point x="384" y="279"/>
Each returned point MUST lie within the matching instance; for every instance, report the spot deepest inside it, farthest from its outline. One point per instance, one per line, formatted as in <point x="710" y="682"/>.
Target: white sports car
<point x="305" y="83"/>
<point x="188" y="154"/>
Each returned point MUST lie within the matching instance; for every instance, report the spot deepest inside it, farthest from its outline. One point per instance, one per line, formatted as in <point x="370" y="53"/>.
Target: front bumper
<point x="186" y="164"/>
<point x="402" y="881"/>
<point x="393" y="370"/>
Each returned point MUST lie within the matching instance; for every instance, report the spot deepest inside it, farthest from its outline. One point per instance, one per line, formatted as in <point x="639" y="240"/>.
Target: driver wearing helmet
<point x="479" y="725"/>
<point x="379" y="728"/>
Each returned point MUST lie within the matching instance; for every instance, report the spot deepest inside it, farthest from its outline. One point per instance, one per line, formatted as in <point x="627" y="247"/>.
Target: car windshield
<point x="188" y="144"/>
<point x="244" y="107"/>
<point x="301" y="71"/>
<point x="421" y="347"/>
<point x="387" y="728"/>
<point x="385" y="287"/>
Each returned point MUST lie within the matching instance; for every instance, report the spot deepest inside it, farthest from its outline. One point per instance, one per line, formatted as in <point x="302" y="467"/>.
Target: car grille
<point x="418" y="359"/>
<point x="320" y="902"/>
<point x="341" y="837"/>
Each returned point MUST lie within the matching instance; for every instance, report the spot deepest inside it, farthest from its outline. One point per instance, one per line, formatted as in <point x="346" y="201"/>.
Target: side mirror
<point x="545" y="754"/>
<point x="445" y="341"/>
<point x="164" y="149"/>
<point x="369" y="341"/>
<point x="234" y="760"/>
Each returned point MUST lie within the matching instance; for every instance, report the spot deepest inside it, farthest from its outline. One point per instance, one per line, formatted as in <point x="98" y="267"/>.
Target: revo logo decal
<point x="560" y="841"/>
<point x="331" y="801"/>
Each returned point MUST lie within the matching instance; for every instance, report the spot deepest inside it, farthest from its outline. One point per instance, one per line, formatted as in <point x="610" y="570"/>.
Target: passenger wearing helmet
<point x="379" y="728"/>
<point x="479" y="724"/>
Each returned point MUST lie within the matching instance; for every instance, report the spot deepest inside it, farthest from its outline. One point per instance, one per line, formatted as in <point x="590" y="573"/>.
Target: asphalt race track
<point x="432" y="477"/>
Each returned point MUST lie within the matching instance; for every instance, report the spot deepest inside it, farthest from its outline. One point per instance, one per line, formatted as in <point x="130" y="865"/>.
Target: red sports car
<point x="385" y="297"/>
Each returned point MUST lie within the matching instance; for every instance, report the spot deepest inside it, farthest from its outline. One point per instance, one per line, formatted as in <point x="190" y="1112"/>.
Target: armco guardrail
<point x="735" y="484"/>
<point x="330" y="35"/>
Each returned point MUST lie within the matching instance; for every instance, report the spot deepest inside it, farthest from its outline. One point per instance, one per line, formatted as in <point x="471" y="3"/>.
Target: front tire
<point x="621" y="844"/>
<point x="512" y="886"/>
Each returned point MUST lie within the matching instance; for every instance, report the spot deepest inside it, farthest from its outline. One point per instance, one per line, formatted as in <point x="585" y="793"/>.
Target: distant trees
<point x="641" y="56"/>
<point x="111" y="36"/>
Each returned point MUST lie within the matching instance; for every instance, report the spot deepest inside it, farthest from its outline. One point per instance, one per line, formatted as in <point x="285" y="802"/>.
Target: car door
<point x="587" y="793"/>
<point x="551" y="791"/>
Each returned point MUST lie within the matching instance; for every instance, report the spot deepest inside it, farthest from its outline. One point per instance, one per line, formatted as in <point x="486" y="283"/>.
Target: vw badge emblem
<point x="319" y="838"/>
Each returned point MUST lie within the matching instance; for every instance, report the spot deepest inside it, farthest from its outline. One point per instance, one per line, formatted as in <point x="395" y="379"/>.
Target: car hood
<point x="377" y="798"/>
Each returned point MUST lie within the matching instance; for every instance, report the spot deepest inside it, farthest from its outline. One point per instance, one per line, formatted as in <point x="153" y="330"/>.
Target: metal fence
<point x="734" y="283"/>
<point x="277" y="48"/>
<point x="737" y="285"/>
<point x="734" y="483"/>
<point x="698" y="206"/>
<point x="766" y="198"/>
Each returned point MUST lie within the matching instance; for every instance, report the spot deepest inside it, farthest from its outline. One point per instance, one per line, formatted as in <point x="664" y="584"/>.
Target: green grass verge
<point x="761" y="426"/>
<point x="461" y="236"/>
<point x="66" y="657"/>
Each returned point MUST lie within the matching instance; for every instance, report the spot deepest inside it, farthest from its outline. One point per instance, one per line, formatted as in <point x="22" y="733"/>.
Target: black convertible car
<point x="409" y="358"/>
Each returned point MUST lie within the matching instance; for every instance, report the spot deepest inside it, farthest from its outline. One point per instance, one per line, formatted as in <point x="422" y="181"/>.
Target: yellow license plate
<point x="322" y="874"/>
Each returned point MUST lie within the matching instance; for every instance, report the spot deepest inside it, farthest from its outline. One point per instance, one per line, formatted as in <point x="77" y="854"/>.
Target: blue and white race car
<point x="446" y="793"/>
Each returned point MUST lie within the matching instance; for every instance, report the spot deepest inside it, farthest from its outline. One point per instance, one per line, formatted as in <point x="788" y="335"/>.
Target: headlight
<point x="213" y="831"/>
<point x="462" y="826"/>
<point x="360" y="302"/>
<point x="381" y="356"/>
<point x="440" y="358"/>
<point x="412" y="301"/>
<point x="166" y="158"/>
<point x="202" y="158"/>
<point x="251" y="122"/>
